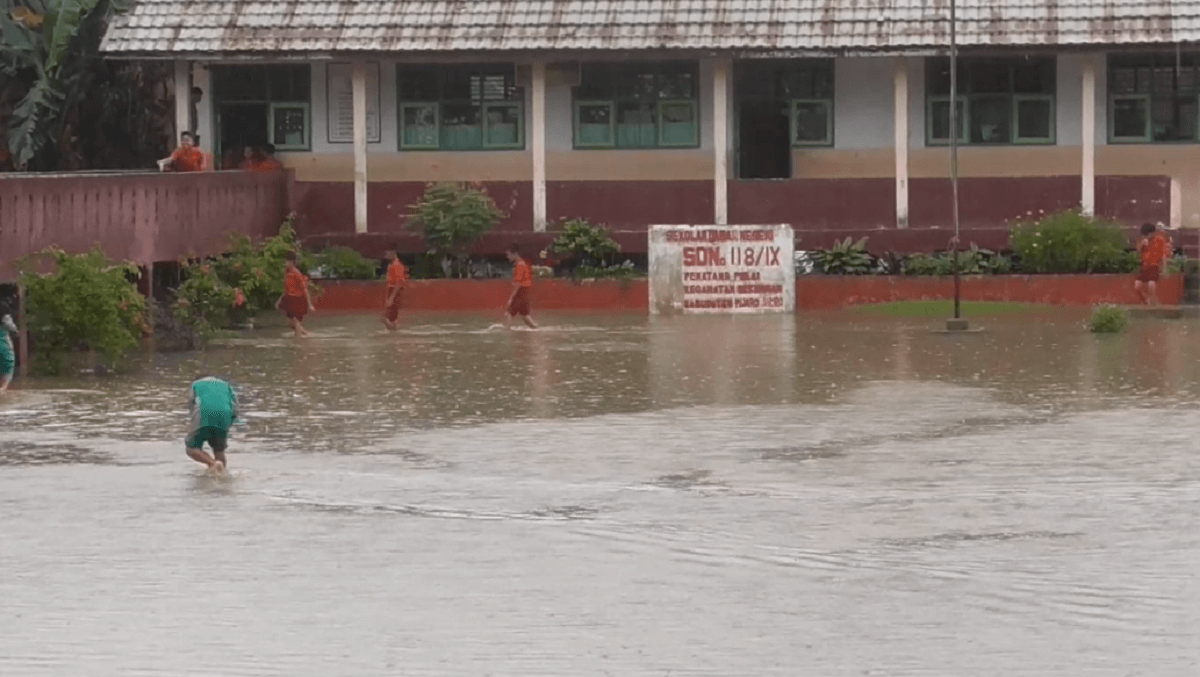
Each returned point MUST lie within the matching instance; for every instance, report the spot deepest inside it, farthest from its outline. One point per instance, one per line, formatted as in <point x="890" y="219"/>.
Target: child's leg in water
<point x="201" y="456"/>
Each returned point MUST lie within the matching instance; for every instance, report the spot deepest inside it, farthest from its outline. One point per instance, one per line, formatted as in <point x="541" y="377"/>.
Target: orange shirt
<point x="397" y="275"/>
<point x="268" y="165"/>
<point x="294" y="283"/>
<point x="522" y="275"/>
<point x="1154" y="250"/>
<point x="187" y="159"/>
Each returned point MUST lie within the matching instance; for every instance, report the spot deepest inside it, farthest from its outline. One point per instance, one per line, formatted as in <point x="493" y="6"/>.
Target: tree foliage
<point x="590" y="245"/>
<point x="62" y="106"/>
<point x="86" y="303"/>
<point x="452" y="217"/>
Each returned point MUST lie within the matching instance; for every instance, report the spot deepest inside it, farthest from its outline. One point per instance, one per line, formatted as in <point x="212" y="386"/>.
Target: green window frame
<point x="1154" y="98"/>
<point x="278" y="88"/>
<point x="587" y="127"/>
<point x="1021" y="100"/>
<point x="1147" y="133"/>
<point x="631" y="105"/>
<point x="800" y="86"/>
<point x="931" y="117"/>
<point x="423" y="136"/>
<point x="288" y="141"/>
<point x="470" y="107"/>
<point x="1004" y="101"/>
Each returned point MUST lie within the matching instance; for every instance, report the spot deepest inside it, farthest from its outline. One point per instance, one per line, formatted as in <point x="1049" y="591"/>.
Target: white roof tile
<point x="297" y="26"/>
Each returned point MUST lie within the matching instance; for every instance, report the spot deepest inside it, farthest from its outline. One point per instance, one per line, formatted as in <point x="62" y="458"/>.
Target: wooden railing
<point x="139" y="217"/>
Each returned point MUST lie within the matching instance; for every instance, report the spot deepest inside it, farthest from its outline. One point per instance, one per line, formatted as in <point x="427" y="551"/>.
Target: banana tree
<point x="49" y="45"/>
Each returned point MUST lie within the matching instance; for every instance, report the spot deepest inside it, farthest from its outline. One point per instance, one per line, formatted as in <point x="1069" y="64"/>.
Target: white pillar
<point x="538" y="146"/>
<point x="201" y="78"/>
<point x="721" y="142"/>
<point x="183" y="99"/>
<point x="360" y="146"/>
<point x="1088" y="203"/>
<point x="900" y="85"/>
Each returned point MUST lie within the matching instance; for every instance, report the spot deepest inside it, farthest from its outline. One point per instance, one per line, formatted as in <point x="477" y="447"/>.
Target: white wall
<point x="863" y="99"/>
<point x="862" y="103"/>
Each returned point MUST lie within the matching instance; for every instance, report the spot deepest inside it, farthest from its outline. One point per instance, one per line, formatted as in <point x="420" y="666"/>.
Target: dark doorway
<point x="764" y="146"/>
<point x="240" y="125"/>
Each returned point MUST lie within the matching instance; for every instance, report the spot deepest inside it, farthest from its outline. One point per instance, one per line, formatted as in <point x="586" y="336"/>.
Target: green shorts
<point x="8" y="362"/>
<point x="216" y="438"/>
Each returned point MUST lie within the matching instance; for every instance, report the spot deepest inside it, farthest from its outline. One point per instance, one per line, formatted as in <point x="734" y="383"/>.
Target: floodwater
<point x="820" y="495"/>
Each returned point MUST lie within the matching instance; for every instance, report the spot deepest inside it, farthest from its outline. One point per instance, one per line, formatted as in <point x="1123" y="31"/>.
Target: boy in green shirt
<point x="8" y="360"/>
<point x="214" y="409"/>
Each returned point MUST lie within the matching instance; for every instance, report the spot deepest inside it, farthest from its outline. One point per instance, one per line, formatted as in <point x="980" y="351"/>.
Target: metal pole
<point x="22" y="332"/>
<point x="954" y="153"/>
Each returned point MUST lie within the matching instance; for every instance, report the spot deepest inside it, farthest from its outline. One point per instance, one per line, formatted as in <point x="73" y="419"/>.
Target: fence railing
<point x="139" y="217"/>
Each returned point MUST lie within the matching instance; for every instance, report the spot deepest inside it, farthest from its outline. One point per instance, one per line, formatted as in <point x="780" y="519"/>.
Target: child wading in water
<point x="214" y="409"/>
<point x="397" y="277"/>
<point x="1154" y="250"/>
<point x="518" y="302"/>
<point x="295" y="302"/>
<point x="8" y="358"/>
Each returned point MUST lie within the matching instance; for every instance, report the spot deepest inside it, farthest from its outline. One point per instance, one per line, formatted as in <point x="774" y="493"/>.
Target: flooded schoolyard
<point x="825" y="494"/>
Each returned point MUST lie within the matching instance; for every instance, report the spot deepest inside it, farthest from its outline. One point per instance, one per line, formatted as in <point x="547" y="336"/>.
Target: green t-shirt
<point x="214" y="404"/>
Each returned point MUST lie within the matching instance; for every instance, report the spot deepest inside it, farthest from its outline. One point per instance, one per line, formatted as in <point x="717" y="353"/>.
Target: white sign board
<point x="339" y="92"/>
<point x="722" y="269"/>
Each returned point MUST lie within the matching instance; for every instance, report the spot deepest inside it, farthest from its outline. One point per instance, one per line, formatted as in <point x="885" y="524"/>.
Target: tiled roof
<point x="299" y="26"/>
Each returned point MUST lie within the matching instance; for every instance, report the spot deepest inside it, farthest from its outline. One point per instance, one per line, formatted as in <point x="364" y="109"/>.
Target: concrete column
<point x="204" y="124"/>
<point x="900" y="85"/>
<point x="183" y="98"/>
<point x="721" y="142"/>
<point x="538" y="145"/>
<point x="1088" y="203"/>
<point x="360" y="146"/>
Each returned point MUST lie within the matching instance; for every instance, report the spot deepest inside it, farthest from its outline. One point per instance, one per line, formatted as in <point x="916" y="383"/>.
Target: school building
<point x="828" y="115"/>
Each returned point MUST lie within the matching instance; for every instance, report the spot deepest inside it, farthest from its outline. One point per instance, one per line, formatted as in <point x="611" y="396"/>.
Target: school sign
<point x="722" y="269"/>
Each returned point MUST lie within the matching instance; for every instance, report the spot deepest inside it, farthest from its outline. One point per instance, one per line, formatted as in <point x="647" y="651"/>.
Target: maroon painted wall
<point x="821" y="210"/>
<point x="145" y="217"/>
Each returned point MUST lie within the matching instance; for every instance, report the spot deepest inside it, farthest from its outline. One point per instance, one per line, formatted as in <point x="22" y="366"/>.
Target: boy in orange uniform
<point x="518" y="302"/>
<point x="187" y="157"/>
<point x="397" y="279"/>
<point x="295" y="302"/>
<point x="1154" y="250"/>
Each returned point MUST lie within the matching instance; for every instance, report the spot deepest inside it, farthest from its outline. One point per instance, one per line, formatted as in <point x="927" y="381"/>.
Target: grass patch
<point x="942" y="309"/>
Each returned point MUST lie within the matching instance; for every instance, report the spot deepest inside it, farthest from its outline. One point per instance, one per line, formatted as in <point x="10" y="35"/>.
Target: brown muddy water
<point x="821" y="495"/>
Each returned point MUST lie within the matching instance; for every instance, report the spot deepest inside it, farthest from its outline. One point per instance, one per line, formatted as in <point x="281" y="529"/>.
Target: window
<point x="637" y="105"/>
<point x="1153" y="98"/>
<point x="460" y="108"/>
<point x="257" y="105"/>
<point x="1000" y="101"/>
<point x="803" y="87"/>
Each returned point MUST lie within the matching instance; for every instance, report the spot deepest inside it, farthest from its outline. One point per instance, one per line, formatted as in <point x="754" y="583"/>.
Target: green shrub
<point x="1108" y="319"/>
<point x="203" y="304"/>
<point x="973" y="261"/>
<point x="845" y="258"/>
<point x="452" y="217"/>
<point x="1071" y="242"/>
<point x="590" y="245"/>
<point x="258" y="268"/>
<point x="623" y="272"/>
<point x="344" y="263"/>
<point x="86" y="303"/>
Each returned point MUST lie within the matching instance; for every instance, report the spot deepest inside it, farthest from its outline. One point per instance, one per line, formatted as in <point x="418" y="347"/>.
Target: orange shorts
<point x="295" y="307"/>
<point x="520" y="303"/>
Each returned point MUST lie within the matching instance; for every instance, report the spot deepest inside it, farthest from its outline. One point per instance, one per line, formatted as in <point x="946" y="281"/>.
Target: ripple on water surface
<point x="823" y="495"/>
